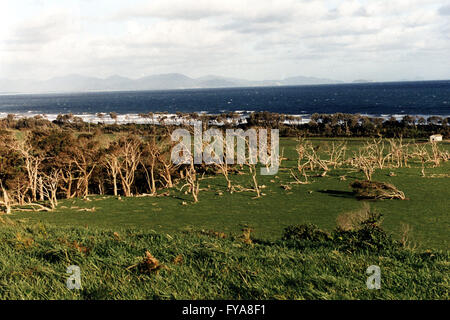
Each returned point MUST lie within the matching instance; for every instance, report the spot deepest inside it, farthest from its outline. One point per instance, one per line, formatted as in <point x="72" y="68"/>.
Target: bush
<point x="364" y="232"/>
<point x="305" y="232"/>
<point x="370" y="237"/>
<point x="360" y="230"/>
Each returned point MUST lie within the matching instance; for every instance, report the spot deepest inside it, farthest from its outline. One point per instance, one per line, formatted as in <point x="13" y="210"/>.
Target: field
<point x="320" y="202"/>
<point x="33" y="262"/>
<point x="200" y="250"/>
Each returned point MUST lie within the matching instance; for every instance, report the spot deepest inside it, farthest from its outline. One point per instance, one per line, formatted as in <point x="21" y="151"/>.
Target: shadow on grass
<point x="178" y="197"/>
<point x="339" y="193"/>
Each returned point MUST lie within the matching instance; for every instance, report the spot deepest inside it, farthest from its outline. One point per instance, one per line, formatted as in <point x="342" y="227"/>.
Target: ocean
<point x="422" y="98"/>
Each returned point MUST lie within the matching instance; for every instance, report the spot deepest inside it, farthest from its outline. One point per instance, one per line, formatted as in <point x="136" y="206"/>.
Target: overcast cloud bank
<point x="256" y="40"/>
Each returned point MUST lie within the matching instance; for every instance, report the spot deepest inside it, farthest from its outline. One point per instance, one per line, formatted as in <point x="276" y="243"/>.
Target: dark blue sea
<point x="379" y="99"/>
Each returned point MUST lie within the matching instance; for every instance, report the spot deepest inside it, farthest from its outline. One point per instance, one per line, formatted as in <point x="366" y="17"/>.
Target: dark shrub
<point x="367" y="234"/>
<point x="305" y="232"/>
<point x="368" y="237"/>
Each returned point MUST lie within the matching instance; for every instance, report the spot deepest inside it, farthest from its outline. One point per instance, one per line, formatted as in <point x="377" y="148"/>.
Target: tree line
<point x="320" y="125"/>
<point x="39" y="166"/>
<point x="49" y="164"/>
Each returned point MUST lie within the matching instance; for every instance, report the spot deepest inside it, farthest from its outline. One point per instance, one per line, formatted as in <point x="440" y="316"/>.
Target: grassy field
<point x="320" y="202"/>
<point x="199" y="246"/>
<point x="192" y="265"/>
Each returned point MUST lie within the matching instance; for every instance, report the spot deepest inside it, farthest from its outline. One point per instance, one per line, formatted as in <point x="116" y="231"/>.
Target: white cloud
<point x="242" y="38"/>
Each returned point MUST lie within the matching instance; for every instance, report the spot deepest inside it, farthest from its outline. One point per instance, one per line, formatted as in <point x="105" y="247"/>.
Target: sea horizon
<point x="374" y="99"/>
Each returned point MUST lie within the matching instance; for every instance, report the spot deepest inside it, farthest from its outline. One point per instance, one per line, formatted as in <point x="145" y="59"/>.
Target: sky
<point x="379" y="40"/>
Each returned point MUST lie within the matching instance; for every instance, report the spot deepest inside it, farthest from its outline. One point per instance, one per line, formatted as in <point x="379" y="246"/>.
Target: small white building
<point x="436" y="138"/>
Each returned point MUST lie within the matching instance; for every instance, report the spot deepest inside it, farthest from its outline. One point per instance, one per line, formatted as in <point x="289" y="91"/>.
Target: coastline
<point x="186" y="118"/>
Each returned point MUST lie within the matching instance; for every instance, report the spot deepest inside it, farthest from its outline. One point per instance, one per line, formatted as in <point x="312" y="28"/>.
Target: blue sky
<point x="254" y="39"/>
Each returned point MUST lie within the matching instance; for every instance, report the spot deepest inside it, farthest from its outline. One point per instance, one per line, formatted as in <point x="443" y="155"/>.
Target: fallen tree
<point x="376" y="190"/>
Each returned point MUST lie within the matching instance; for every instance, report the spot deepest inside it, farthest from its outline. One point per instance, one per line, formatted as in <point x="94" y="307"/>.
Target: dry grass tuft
<point x="149" y="264"/>
<point x="6" y="221"/>
<point x="405" y="231"/>
<point x="80" y="248"/>
<point x="24" y="242"/>
<point x="178" y="259"/>
<point x="247" y="235"/>
<point x="352" y="221"/>
<point x="355" y="220"/>
<point x="219" y="235"/>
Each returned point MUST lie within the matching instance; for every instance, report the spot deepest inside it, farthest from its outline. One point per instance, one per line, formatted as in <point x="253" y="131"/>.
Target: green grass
<point x="426" y="210"/>
<point x="34" y="258"/>
<point x="36" y="248"/>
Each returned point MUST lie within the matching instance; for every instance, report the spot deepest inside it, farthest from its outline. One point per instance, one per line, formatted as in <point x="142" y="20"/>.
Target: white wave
<point x="171" y="118"/>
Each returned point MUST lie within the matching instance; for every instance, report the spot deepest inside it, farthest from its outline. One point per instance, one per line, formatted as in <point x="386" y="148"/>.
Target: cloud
<point x="39" y="31"/>
<point x="178" y="9"/>
<point x="42" y="31"/>
<point x="445" y="10"/>
<point x="242" y="38"/>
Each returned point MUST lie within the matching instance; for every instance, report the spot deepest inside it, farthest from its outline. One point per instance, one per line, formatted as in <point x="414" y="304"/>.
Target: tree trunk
<point x="115" y="185"/>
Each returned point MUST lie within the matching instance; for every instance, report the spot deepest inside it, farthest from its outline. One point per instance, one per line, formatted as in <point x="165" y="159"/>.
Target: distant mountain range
<point x="78" y="83"/>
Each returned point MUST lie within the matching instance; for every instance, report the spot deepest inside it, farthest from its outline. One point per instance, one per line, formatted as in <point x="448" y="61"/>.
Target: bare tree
<point x="129" y="158"/>
<point x="192" y="182"/>
<point x="315" y="160"/>
<point x="111" y="162"/>
<point x="149" y="162"/>
<point x="85" y="168"/>
<point x="32" y="163"/>
<point x="376" y="149"/>
<point x="337" y="153"/>
<point x="250" y="162"/>
<point x="68" y="177"/>
<point x="222" y="161"/>
<point x="6" y="200"/>
<point x="50" y="186"/>
<point x="364" y="161"/>
<point x="252" y="169"/>
<point x="302" y="146"/>
<point x="398" y="152"/>
<point x="437" y="155"/>
<point x="168" y="167"/>
<point x="421" y="152"/>
<point x="18" y="189"/>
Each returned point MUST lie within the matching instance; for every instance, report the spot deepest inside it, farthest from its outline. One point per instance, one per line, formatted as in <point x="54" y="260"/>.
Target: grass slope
<point x="34" y="258"/>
